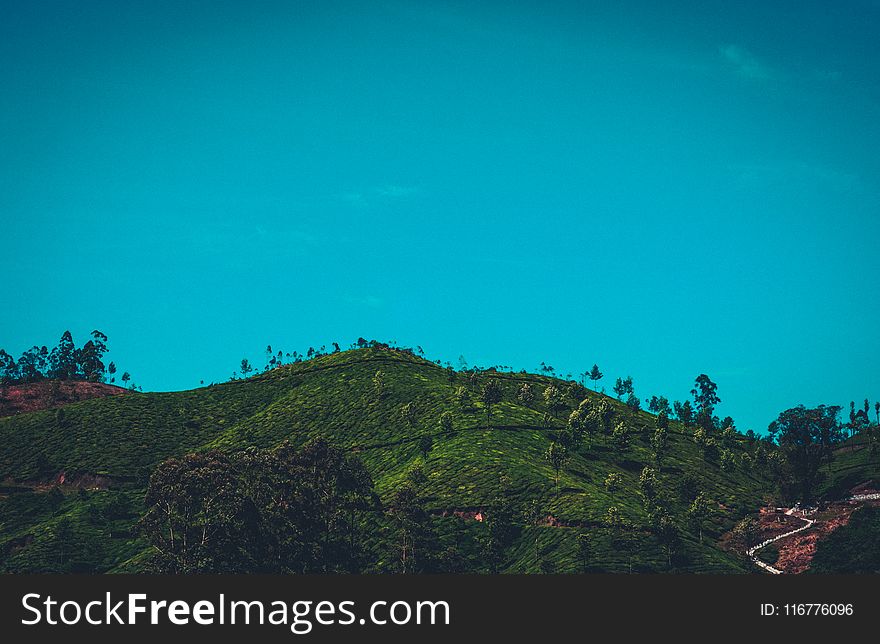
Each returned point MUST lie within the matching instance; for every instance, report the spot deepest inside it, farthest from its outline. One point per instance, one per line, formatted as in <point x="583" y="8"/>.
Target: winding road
<point x="808" y="523"/>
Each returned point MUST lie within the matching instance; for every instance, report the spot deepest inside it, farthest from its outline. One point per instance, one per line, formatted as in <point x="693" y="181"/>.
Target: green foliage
<point x="257" y="511"/>
<point x="851" y="548"/>
<point x="336" y="398"/>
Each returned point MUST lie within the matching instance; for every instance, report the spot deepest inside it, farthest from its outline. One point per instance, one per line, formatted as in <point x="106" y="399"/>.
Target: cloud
<point x="745" y="64"/>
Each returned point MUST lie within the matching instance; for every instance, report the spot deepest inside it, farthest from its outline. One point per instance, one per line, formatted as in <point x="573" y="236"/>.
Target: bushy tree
<point x="633" y="402"/>
<point x="698" y="513"/>
<point x="525" y="396"/>
<point x="584" y="550"/>
<point x="554" y="400"/>
<point x="620" y="436"/>
<point x="659" y="445"/>
<point x="806" y="438"/>
<point x="446" y="422"/>
<point x="745" y="534"/>
<point x="379" y="388"/>
<point x="612" y="483"/>
<point x="491" y="394"/>
<point x="282" y="510"/>
<point x="623" y="386"/>
<point x="557" y="456"/>
<point x="648" y="485"/>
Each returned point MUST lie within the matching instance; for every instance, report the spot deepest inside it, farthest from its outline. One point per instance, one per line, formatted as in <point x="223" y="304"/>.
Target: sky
<point x="665" y="189"/>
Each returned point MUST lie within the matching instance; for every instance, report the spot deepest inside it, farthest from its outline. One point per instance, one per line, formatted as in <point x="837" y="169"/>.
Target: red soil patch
<point x="49" y="394"/>
<point x="796" y="553"/>
<point x="474" y="515"/>
<point x="772" y="523"/>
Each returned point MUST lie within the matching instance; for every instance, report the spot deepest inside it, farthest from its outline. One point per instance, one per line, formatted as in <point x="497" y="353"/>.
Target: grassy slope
<point x="332" y="397"/>
<point x="853" y="548"/>
<point x="853" y="465"/>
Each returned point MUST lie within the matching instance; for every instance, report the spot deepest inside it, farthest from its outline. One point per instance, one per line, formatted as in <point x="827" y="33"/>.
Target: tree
<point x="745" y="534"/>
<point x="659" y="405"/>
<point x="126" y="377"/>
<point x="490" y="395"/>
<point x="705" y="400"/>
<point x="659" y="444"/>
<point x="500" y="532"/>
<point x="584" y="549"/>
<point x="620" y="436"/>
<point x="877" y="411"/>
<point x="667" y="534"/>
<point x="8" y="369"/>
<point x="425" y="445"/>
<point x="727" y="461"/>
<point x="554" y="400"/>
<point x="662" y="420"/>
<point x="62" y="360"/>
<point x="414" y="532"/>
<point x="806" y="438"/>
<point x="605" y="414"/>
<point x="589" y="419"/>
<point x="688" y="487"/>
<point x="63" y="536"/>
<point x="698" y="513"/>
<point x="633" y="402"/>
<point x="612" y="483"/>
<point x="409" y="414"/>
<point x="557" y="456"/>
<point x="463" y="398"/>
<point x="111" y="371"/>
<point x="379" y="389"/>
<point x="596" y="376"/>
<point x="684" y="412"/>
<point x="525" y="396"/>
<point x="445" y="422"/>
<point x="89" y="357"/>
<point x="648" y="487"/>
<point x="246" y="367"/>
<point x="704" y="393"/>
<point x="284" y="510"/>
<point x="623" y="386"/>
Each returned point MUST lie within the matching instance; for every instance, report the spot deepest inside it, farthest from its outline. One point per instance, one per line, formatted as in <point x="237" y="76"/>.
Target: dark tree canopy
<point x="64" y="362"/>
<point x="806" y="438"/>
<point x="283" y="510"/>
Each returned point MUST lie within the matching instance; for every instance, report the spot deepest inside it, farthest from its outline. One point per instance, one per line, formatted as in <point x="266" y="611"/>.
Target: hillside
<point x="50" y="394"/>
<point x="105" y="449"/>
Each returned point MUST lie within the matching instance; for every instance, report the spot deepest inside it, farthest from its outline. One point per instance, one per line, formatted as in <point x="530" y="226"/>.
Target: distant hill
<point x="118" y="440"/>
<point x="49" y="394"/>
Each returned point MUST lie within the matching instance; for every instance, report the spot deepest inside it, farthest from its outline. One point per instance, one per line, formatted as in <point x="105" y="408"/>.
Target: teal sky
<point x="665" y="190"/>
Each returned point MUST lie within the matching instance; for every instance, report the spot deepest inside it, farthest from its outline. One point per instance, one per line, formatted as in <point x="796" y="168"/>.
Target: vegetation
<point x="480" y="470"/>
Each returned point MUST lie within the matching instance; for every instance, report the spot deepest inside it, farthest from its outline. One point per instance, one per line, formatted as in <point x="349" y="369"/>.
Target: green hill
<point x="113" y="444"/>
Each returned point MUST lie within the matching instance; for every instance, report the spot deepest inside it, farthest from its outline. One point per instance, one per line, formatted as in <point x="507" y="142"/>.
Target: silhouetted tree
<point x="490" y="395"/>
<point x="596" y="376"/>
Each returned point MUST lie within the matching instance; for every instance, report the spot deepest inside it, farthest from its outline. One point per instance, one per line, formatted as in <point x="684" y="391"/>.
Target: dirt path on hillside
<point x="800" y="546"/>
<point x="752" y="552"/>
